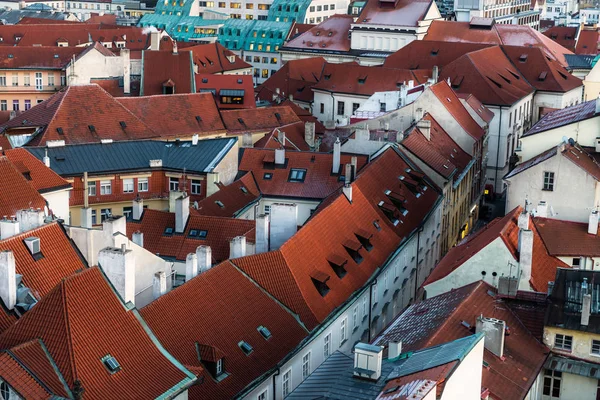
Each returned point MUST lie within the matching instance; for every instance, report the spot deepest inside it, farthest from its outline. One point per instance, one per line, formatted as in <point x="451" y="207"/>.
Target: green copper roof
<point x="253" y="35"/>
<point x="288" y="10"/>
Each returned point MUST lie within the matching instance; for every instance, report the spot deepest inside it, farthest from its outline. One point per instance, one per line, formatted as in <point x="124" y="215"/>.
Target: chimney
<point x="337" y="154"/>
<point x="204" y="255"/>
<point x="138" y="209"/>
<point x="347" y="189"/>
<point x="155" y="41"/>
<point x="237" y="247"/>
<point x="126" y="73"/>
<point x="195" y="139"/>
<point x="403" y="94"/>
<point x="526" y="254"/>
<point x="247" y="139"/>
<point x="191" y="266"/>
<point x="8" y="228"/>
<point x="138" y="238"/>
<point x="159" y="285"/>
<point x="348" y="174"/>
<point x="86" y="217"/>
<point x="394" y="350"/>
<point x="367" y="361"/>
<point x="354" y="162"/>
<point x="494" y="334"/>
<point x="262" y="233"/>
<point x="281" y="137"/>
<point x="119" y="267"/>
<point x="12" y="115"/>
<point x="284" y="223"/>
<point x="598" y="105"/>
<point x="279" y="156"/>
<point x="523" y="221"/>
<point x="593" y="223"/>
<point x="309" y="133"/>
<point x="542" y="209"/>
<point x="30" y="219"/>
<point x="182" y="212"/>
<point x="424" y="126"/>
<point x="8" y="279"/>
<point x="46" y="159"/>
<point x="174" y="47"/>
<point x="586" y="309"/>
<point x="435" y="74"/>
<point x="418" y="114"/>
<point x="115" y="224"/>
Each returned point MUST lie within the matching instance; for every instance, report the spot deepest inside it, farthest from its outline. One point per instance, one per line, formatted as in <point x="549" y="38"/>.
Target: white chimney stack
<point x="347" y="189"/>
<point x="8" y="279"/>
<point x="542" y="209"/>
<point x="279" y="156"/>
<point x="593" y="223"/>
<point x="8" y="228"/>
<point x="262" y="233"/>
<point x="337" y="155"/>
<point x="86" y="217"/>
<point x="138" y="238"/>
<point x="494" y="334"/>
<point x="435" y="74"/>
<point x="586" y="309"/>
<point x="115" y="224"/>
<point x="30" y="219"/>
<point x="418" y="114"/>
<point x="119" y="267"/>
<point x="159" y="284"/>
<point x="155" y="40"/>
<point x="526" y="255"/>
<point x="281" y="137"/>
<point x="138" y="209"/>
<point x="237" y="247"/>
<point x="367" y="361"/>
<point x="191" y="266"/>
<point x="204" y="254"/>
<point x="523" y="221"/>
<point x="394" y="350"/>
<point x="46" y="159"/>
<point x="126" y="73"/>
<point x="354" y="162"/>
<point x="182" y="212"/>
<point x="284" y="223"/>
<point x="309" y="133"/>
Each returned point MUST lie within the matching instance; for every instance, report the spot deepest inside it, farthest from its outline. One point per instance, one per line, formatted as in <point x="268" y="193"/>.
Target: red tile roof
<point x="213" y="58"/>
<point x="452" y="103"/>
<point x="398" y="13"/>
<point x="81" y="321"/>
<point x="477" y="106"/>
<point x="365" y="80"/>
<point x="220" y="231"/>
<point x="582" y="159"/>
<point x="21" y="380"/>
<point x="319" y="181"/>
<point x="299" y="29"/>
<point x="43" y="179"/>
<point x="165" y="68"/>
<point x="305" y="115"/>
<point x="440" y="152"/>
<point x="96" y="18"/>
<point x="44" y="21"/>
<point x="567" y="238"/>
<point x="587" y="43"/>
<point x="256" y="120"/>
<point x="285" y="274"/>
<point x="232" y="196"/>
<point x="427" y="54"/>
<point x="329" y="35"/>
<point x="220" y="308"/>
<point x="37" y="57"/>
<point x="294" y="138"/>
<point x="295" y="78"/>
<point x="73" y="111"/>
<point x="208" y="82"/>
<point x="490" y="76"/>
<point x="438" y="374"/>
<point x="563" y="35"/>
<point x="16" y="192"/>
<point x="180" y="119"/>
<point x="506" y="379"/>
<point x="115" y="86"/>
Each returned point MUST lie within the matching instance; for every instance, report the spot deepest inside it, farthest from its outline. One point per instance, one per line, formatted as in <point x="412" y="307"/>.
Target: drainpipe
<point x="371" y="306"/>
<point x="498" y="150"/>
<point x="332" y="107"/>
<point x="417" y="266"/>
<point x="275" y="375"/>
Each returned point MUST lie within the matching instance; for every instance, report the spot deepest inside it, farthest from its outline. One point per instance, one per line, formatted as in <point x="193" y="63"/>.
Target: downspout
<point x="498" y="150"/>
<point x="417" y="265"/>
<point x="371" y="306"/>
<point x="332" y="107"/>
<point x="275" y="375"/>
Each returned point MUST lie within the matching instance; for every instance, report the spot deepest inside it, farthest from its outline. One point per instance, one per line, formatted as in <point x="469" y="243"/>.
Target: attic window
<point x="376" y="225"/>
<point x="220" y="204"/>
<point x="239" y="81"/>
<point x="523" y="57"/>
<point x="204" y="80"/>
<point x="264" y="332"/>
<point x="337" y="263"/>
<point x="111" y="363"/>
<point x="542" y="76"/>
<point x="92" y="128"/>
<point x="123" y="124"/>
<point x="278" y="116"/>
<point x="198" y="119"/>
<point x="353" y="248"/>
<point x="320" y="279"/>
<point x="434" y="52"/>
<point x="495" y="82"/>
<point x="364" y="238"/>
<point x="297" y="175"/>
<point x="60" y="131"/>
<point x="267" y="176"/>
<point x="246" y="348"/>
<point x="562" y="75"/>
<point x="362" y="80"/>
<point x="243" y="189"/>
<point x="197" y="234"/>
<point x="514" y="74"/>
<point x="330" y="33"/>
<point x="505" y="78"/>
<point x="168" y="231"/>
<point x="327" y="77"/>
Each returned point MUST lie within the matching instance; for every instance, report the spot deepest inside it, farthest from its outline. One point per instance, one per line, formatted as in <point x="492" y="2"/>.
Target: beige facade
<point x="22" y="89"/>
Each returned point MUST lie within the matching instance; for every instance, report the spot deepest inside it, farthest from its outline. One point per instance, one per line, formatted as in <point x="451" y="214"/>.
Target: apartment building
<point x="515" y="12"/>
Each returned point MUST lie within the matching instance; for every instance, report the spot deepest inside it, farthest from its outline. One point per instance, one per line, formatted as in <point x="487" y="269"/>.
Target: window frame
<point x="297" y="175"/>
<point x="560" y="342"/>
<point x="286" y="383"/>
<point x="105" y="188"/>
<point x="196" y="186"/>
<point x="549" y="181"/>
<point x="173" y="185"/>
<point x="128" y="185"/>
<point x="92" y="185"/>
<point x="341" y="106"/>
<point x="326" y="346"/>
<point x="140" y="184"/>
<point x="306" y="365"/>
<point x="343" y="330"/>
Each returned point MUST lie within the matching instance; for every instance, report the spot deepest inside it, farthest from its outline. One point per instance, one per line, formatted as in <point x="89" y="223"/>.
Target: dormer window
<point x="33" y="245"/>
<point x="364" y="238"/>
<point x="338" y="264"/>
<point x="319" y="279"/>
<point x="197" y="234"/>
<point x="353" y="249"/>
<point x="297" y="175"/>
<point x="213" y="360"/>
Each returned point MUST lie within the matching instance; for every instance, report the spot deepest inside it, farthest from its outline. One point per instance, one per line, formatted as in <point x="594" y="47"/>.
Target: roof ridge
<point x="67" y="326"/>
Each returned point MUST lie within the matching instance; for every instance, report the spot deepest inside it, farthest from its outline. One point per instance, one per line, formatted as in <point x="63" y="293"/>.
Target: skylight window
<point x="168" y="230"/>
<point x="111" y="363"/>
<point x="243" y="189"/>
<point x="92" y="128"/>
<point x="197" y="233"/>
<point x="60" y="131"/>
<point x="220" y="203"/>
<point x="123" y="124"/>
<point x="264" y="332"/>
<point x="267" y="176"/>
<point x="297" y="175"/>
<point x="246" y="348"/>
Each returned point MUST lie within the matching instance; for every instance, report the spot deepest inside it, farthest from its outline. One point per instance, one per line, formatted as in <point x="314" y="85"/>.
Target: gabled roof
<point x="318" y="183"/>
<point x="213" y="58"/>
<point x="79" y="114"/>
<point x="81" y="321"/>
<point x="440" y="152"/>
<point x="234" y="197"/>
<point x="294" y="138"/>
<point x="507" y="378"/>
<point x="179" y="117"/>
<point x="425" y="54"/>
<point x="21" y="380"/>
<point x="567" y="238"/>
<point x="563" y="35"/>
<point x="261" y="119"/>
<point x="329" y="35"/>
<point x="219" y="232"/>
<point x="167" y="68"/>
<point x="477" y="106"/>
<point x="406" y="13"/>
<point x="295" y="78"/>
<point x="40" y="177"/>
<point x="587" y="42"/>
<point x="115" y="87"/>
<point x="16" y="192"/>
<point x="227" y="85"/>
<point x="488" y="75"/>
<point x="565" y="116"/>
<point x="220" y="308"/>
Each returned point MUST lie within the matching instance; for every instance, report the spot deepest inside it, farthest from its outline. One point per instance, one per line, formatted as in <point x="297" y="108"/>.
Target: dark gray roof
<point x="576" y="367"/>
<point x="579" y="61"/>
<point x="94" y="158"/>
<point x="11" y="17"/>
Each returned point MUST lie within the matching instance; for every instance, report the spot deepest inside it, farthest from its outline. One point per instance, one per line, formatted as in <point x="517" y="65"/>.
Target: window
<point x="91" y="188"/>
<point x="327" y="346"/>
<point x="262" y="396"/>
<point x="563" y="342"/>
<point x="548" y="181"/>
<point x="15" y="105"/>
<point x="552" y="383"/>
<point x="385" y="281"/>
<point x="576" y="262"/>
<point x="94" y="221"/>
<point x="265" y="60"/>
<point x="340" y="107"/>
<point x="173" y="184"/>
<point x="128" y="185"/>
<point x="343" y="331"/>
<point x="273" y="60"/>
<point x="382" y="107"/>
<point x="219" y="367"/>
<point x="3" y="105"/>
<point x="105" y="213"/>
<point x="325" y="7"/>
<point x="50" y="79"/>
<point x="355" y="318"/>
<point x="306" y="366"/>
<point x="364" y="306"/>
<point x="286" y="382"/>
<point x="4" y="390"/>
<point x="596" y="347"/>
<point x="332" y="7"/>
<point x="15" y="79"/>
<point x="297" y="175"/>
<point x="374" y="294"/>
<point x="264" y="72"/>
<point x="196" y="186"/>
<point x="235" y="5"/>
<point x="319" y="8"/>
<point x="249" y="6"/>
<point x="267" y="209"/>
<point x="142" y="184"/>
<point x="27" y="104"/>
<point x="355" y="107"/>
<point x="248" y="59"/>
<point x="38" y="81"/>
<point x="105" y="188"/>
<point x="3" y="79"/>
<point x="322" y="108"/>
<point x="312" y="8"/>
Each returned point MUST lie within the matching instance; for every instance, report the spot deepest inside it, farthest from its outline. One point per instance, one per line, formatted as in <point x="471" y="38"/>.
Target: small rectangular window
<point x="305" y="366"/>
<point x="322" y="108"/>
<point x="104" y="214"/>
<point x="94" y="221"/>
<point x="142" y="184"/>
<point x="267" y="209"/>
<point x="91" y="188"/>
<point x="596" y="347"/>
<point x="173" y="184"/>
<point x="355" y="106"/>
<point x="128" y="185"/>
<point x="340" y="107"/>
<point x="327" y="346"/>
<point x="196" y="186"/>
<point x="548" y="181"/>
<point x="105" y="188"/>
<point x="286" y="383"/>
<point x="297" y="175"/>
<point x="262" y="396"/>
<point x="576" y="262"/>
<point x="563" y="342"/>
<point x="343" y="331"/>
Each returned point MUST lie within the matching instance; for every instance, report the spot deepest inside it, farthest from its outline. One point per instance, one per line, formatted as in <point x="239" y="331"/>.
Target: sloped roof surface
<point x="329" y="35"/>
<point x="425" y="54"/>
<point x="567" y="238"/>
<point x="161" y="67"/>
<point x="37" y="57"/>
<point x="565" y="116"/>
<point x="260" y="119"/>
<point x="400" y="13"/>
<point x="43" y="179"/>
<point x="21" y="380"/>
<point x="233" y="197"/>
<point x="16" y="192"/>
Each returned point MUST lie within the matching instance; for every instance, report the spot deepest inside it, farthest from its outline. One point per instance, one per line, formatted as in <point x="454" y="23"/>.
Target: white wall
<point x="465" y="381"/>
<point x="330" y="105"/>
<point x="95" y="65"/>
<point x="58" y="202"/>
<point x="555" y="100"/>
<point x="316" y="12"/>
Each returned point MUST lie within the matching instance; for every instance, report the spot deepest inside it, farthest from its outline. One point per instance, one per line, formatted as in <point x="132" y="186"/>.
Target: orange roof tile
<point x="37" y="57"/>
<point x="220" y="308"/>
<point x="216" y="83"/>
<point x="213" y="58"/>
<point x="294" y="138"/>
<point x="165" y="68"/>
<point x="42" y="178"/>
<point x="567" y="238"/>
<point x="295" y="78"/>
<point x="21" y="380"/>
<point x="563" y="35"/>
<point x="232" y="197"/>
<point x="16" y="192"/>
<point x="81" y="321"/>
<point x="587" y="42"/>
<point x="426" y="54"/>
<point x="329" y="35"/>
<point x="261" y="119"/>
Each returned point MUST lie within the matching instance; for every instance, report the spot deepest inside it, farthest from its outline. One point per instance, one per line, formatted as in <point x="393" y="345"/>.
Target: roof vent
<point x="240" y="81"/>
<point x="10" y="56"/>
<point x="523" y="57"/>
<point x="220" y="203"/>
<point x="155" y="163"/>
<point x="56" y="56"/>
<point x="264" y="332"/>
<point x="330" y="33"/>
<point x="204" y="80"/>
<point x="33" y="244"/>
<point x="106" y="141"/>
<point x="542" y="76"/>
<point x="318" y="33"/>
<point x="246" y="348"/>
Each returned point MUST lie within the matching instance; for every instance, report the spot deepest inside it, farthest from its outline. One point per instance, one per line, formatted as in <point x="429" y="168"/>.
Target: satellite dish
<point x="565" y="139"/>
<point x="571" y="141"/>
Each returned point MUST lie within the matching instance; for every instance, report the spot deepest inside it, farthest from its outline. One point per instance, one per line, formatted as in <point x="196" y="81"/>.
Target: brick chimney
<point x="119" y="267"/>
<point x="494" y="330"/>
<point x="8" y="228"/>
<point x="593" y="223"/>
<point x="204" y="255"/>
<point x="8" y="279"/>
<point x="284" y="223"/>
<point x="237" y="247"/>
<point x="30" y="219"/>
<point x="337" y="155"/>
<point x="159" y="284"/>
<point x="182" y="212"/>
<point x="262" y="233"/>
<point x="191" y="266"/>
